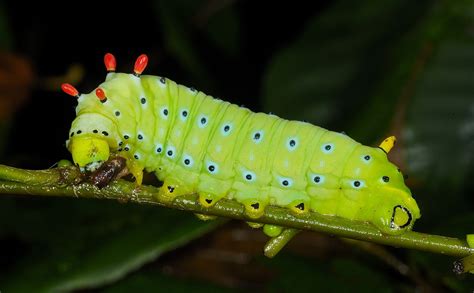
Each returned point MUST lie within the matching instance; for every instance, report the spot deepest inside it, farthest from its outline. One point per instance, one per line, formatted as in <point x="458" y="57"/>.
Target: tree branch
<point x="63" y="182"/>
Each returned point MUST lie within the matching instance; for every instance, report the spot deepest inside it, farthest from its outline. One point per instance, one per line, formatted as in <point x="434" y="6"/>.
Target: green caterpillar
<point x="195" y="143"/>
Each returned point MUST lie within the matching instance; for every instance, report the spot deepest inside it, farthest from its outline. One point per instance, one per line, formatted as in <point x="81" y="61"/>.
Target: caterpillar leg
<point x="172" y="188"/>
<point x="203" y="217"/>
<point x="254" y="208"/>
<point x="299" y="207"/>
<point x="272" y="230"/>
<point x="207" y="199"/>
<point x="255" y="225"/>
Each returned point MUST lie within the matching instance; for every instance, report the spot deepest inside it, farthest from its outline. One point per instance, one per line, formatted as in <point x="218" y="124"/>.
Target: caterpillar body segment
<point x="195" y="143"/>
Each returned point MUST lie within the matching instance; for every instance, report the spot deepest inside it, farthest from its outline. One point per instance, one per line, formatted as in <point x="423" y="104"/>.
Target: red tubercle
<point x="101" y="95"/>
<point x="110" y="62"/>
<point x="70" y="90"/>
<point x="140" y="64"/>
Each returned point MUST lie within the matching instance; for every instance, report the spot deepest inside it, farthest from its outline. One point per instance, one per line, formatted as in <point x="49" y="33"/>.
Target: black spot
<point x="327" y="147"/>
<point x="170" y="189"/>
<point x="285" y="182"/>
<point x="140" y="137"/>
<point x="95" y="131"/>
<point x="162" y="80"/>
<point x="300" y="206"/>
<point x="126" y="136"/>
<point x="117" y="113"/>
<point x="356" y="183"/>
<point x="257" y="136"/>
<point x="399" y="171"/>
<point x="255" y="205"/>
<point x="143" y="101"/>
<point x="72" y="134"/>
<point x="192" y="89"/>
<point x="79" y="131"/>
<point x="317" y="179"/>
<point x="121" y="143"/>
<point x="165" y="112"/>
<point x="105" y="133"/>
<point x="126" y="148"/>
<point x="226" y="128"/>
<point x="211" y="168"/>
<point x="386" y="179"/>
<point x="248" y="177"/>
<point x="184" y="113"/>
<point x="170" y="153"/>
<point x="367" y="157"/>
<point x="136" y="157"/>
<point x="292" y="143"/>
<point x="159" y="149"/>
<point x="120" y="149"/>
<point x="203" y="120"/>
<point x="208" y="200"/>
<point x="187" y="162"/>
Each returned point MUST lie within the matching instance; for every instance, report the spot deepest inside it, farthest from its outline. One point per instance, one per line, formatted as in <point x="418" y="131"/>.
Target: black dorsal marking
<point x="208" y="200"/>
<point x="255" y="205"/>
<point x="170" y="188"/>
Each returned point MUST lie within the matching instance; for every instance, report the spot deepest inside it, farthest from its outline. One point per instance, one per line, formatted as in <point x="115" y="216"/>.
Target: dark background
<point x="369" y="68"/>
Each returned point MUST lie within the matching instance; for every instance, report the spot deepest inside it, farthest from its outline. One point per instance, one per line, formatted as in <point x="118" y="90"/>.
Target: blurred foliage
<point x="369" y="68"/>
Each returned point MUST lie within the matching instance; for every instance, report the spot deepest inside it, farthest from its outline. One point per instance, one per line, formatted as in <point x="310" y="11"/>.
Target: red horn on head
<point x="70" y="90"/>
<point x="101" y="95"/>
<point x="110" y="62"/>
<point x="140" y="64"/>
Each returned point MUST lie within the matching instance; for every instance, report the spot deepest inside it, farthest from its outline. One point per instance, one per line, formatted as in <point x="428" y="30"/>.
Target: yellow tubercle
<point x="388" y="144"/>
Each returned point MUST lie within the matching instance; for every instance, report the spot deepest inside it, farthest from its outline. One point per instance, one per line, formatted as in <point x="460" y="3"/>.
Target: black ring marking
<point x="392" y="224"/>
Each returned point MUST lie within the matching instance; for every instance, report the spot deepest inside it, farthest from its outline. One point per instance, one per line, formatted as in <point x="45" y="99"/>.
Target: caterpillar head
<point x="91" y="138"/>
<point x="94" y="133"/>
<point x="389" y="203"/>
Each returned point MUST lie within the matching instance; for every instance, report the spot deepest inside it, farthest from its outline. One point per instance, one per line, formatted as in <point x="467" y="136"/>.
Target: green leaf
<point x="176" y="21"/>
<point x="5" y="35"/>
<point x="154" y="280"/>
<point x="440" y="129"/>
<point x="336" y="275"/>
<point x="223" y="29"/>
<point x="326" y="76"/>
<point x="84" y="244"/>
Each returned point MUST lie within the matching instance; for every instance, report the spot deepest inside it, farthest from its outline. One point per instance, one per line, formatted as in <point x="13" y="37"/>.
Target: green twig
<point x="61" y="182"/>
<point x="275" y="244"/>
